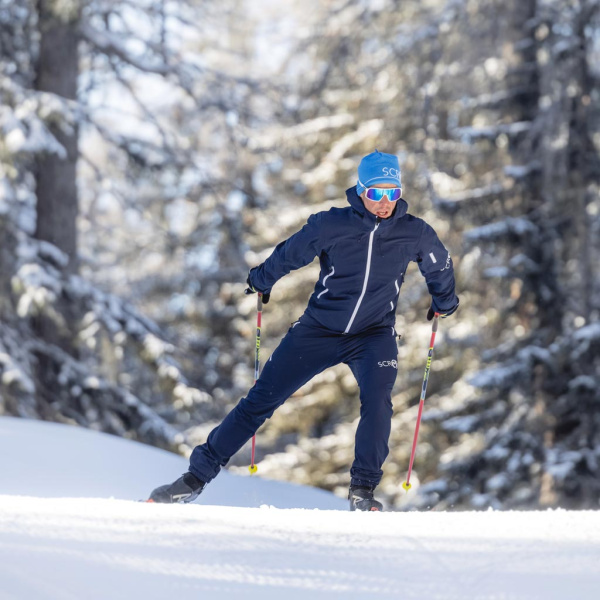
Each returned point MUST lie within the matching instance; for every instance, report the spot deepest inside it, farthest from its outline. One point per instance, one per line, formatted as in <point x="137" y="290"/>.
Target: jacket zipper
<point x="366" y="281"/>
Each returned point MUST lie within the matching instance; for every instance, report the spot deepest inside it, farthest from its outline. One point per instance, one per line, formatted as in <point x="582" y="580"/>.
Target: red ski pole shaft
<point x="253" y="468"/>
<point x="406" y="485"/>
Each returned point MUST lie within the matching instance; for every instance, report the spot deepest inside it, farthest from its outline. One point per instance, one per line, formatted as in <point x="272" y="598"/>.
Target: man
<point x="364" y="251"/>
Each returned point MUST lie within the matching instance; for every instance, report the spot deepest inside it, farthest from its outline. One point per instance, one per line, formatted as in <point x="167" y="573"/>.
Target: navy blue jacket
<point x="363" y="261"/>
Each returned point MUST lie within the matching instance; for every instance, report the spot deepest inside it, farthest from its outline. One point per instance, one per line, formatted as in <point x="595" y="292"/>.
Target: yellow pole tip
<point x="252" y="469"/>
<point x="406" y="486"/>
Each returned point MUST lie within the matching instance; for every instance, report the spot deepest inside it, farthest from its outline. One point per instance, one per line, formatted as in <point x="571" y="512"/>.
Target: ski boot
<point x="361" y="498"/>
<point x="186" y="489"/>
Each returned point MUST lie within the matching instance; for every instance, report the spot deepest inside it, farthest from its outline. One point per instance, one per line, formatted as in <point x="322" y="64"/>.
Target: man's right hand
<point x="251" y="290"/>
<point x="443" y="314"/>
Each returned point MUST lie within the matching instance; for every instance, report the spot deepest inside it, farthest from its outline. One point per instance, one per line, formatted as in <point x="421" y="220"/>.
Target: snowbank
<point x="111" y="549"/>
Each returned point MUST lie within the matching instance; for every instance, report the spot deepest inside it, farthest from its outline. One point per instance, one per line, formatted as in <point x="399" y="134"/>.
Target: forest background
<point x="151" y="151"/>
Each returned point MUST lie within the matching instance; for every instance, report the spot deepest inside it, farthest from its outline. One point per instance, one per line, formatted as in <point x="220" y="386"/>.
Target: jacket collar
<point x="367" y="218"/>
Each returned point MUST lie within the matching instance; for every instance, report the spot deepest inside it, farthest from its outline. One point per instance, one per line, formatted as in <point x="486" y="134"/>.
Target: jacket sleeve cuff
<point x="254" y="280"/>
<point x="444" y="308"/>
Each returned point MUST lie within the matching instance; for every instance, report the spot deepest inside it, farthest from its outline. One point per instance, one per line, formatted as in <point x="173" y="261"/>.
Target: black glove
<point x="266" y="296"/>
<point x="443" y="314"/>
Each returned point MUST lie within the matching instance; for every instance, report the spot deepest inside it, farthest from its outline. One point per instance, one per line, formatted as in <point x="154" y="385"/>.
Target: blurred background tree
<point x="185" y="141"/>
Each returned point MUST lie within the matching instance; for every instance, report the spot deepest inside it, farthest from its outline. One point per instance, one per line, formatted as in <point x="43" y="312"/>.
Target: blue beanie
<point x="378" y="167"/>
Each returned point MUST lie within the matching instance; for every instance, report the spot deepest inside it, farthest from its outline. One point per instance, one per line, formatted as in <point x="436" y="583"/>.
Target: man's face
<point x="382" y="209"/>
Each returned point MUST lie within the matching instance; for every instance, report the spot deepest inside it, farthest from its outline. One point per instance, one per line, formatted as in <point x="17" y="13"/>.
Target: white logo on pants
<point x="388" y="363"/>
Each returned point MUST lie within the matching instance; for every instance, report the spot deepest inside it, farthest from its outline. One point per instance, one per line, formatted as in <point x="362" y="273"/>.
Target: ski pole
<point x="253" y="468"/>
<point x="406" y="485"/>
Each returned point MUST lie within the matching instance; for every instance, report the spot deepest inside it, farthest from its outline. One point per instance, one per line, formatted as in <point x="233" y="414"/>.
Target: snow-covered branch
<point x="517" y="227"/>
<point x="113" y="44"/>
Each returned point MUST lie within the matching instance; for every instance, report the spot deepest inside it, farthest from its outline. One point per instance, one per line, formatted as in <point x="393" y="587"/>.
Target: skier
<point x="364" y="250"/>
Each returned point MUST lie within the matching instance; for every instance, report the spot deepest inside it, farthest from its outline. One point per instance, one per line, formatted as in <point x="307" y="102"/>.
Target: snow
<point x="51" y="460"/>
<point x="496" y="376"/>
<point x="589" y="333"/>
<point x="509" y="226"/>
<point x="69" y="530"/>
<point x="474" y="133"/>
<point x="583" y="381"/>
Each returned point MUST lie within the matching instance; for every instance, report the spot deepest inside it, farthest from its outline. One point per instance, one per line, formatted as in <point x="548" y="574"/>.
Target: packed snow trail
<point x="58" y="542"/>
<point x="112" y="549"/>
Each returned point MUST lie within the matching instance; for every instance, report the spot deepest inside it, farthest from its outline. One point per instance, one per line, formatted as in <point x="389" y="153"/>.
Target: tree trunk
<point x="57" y="70"/>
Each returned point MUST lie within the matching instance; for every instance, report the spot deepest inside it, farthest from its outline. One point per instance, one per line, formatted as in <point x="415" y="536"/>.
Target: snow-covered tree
<point x="69" y="73"/>
<point x="527" y="120"/>
<point x="195" y="140"/>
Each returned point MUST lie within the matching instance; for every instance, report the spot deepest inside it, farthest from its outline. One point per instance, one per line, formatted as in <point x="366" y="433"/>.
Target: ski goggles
<point x="377" y="194"/>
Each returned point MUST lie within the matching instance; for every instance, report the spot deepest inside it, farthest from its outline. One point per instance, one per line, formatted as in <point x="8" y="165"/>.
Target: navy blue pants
<point x="303" y="353"/>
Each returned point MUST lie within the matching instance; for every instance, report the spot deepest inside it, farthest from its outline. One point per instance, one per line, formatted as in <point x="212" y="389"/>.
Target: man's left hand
<point x="266" y="296"/>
